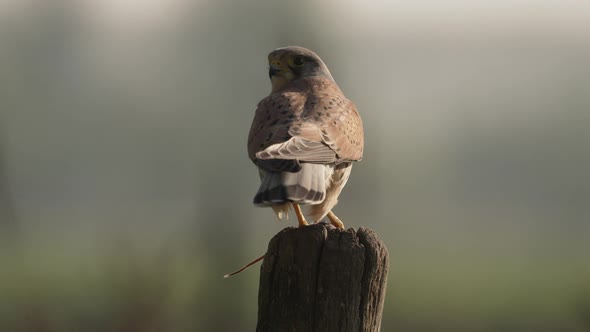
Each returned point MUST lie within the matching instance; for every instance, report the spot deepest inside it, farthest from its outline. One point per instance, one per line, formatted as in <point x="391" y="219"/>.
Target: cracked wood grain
<point x="321" y="279"/>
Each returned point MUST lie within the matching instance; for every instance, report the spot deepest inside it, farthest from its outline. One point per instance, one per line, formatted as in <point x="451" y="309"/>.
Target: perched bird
<point x="304" y="137"/>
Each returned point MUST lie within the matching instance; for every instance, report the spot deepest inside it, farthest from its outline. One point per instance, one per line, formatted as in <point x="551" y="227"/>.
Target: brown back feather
<point x="310" y="110"/>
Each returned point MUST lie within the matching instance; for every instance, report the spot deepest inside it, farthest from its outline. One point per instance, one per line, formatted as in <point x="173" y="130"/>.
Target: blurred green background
<point x="125" y="187"/>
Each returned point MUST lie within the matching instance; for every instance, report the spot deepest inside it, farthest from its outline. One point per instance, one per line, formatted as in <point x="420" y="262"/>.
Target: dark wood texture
<point x="321" y="279"/>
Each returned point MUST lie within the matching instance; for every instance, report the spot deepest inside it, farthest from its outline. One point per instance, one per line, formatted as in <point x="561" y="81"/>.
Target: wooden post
<point x="321" y="279"/>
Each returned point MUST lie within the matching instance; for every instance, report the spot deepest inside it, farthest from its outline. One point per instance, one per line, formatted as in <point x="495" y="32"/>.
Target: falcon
<point x="304" y="137"/>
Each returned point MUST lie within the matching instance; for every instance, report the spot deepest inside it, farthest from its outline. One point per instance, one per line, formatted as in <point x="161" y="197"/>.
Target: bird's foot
<point x="335" y="220"/>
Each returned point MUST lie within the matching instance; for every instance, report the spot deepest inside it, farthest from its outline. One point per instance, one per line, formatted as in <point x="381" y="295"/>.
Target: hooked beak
<point x="273" y="70"/>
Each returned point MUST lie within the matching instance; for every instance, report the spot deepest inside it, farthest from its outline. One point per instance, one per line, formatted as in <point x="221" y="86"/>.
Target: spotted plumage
<point x="304" y="137"/>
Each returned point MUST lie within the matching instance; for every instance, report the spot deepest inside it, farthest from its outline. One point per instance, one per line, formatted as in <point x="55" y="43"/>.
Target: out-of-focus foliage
<point x="125" y="189"/>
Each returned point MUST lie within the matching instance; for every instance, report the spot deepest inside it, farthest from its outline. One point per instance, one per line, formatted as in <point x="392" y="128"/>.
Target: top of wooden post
<point x="319" y="278"/>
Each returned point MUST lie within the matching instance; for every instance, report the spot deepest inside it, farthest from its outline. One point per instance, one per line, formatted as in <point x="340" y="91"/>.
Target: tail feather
<point x="271" y="191"/>
<point x="307" y="186"/>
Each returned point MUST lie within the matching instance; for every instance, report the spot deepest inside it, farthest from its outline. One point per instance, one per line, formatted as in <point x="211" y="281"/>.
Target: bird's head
<point x="291" y="63"/>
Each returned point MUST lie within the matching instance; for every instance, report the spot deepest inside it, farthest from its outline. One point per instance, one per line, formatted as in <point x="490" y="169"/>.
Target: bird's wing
<point x="274" y="116"/>
<point x="301" y="149"/>
<point x="323" y="127"/>
<point x="335" y="122"/>
<point x="281" y="136"/>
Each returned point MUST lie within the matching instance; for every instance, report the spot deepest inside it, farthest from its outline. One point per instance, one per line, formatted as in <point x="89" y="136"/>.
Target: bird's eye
<point x="298" y="61"/>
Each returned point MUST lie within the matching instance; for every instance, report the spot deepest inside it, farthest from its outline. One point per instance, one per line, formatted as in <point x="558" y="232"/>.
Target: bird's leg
<point x="300" y="217"/>
<point x="335" y="220"/>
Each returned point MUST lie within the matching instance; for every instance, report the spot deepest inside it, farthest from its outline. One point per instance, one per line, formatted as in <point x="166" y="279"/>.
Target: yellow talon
<point x="335" y="220"/>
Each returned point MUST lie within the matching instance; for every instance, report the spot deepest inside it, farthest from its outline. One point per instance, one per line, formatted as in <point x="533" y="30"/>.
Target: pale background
<point x="125" y="187"/>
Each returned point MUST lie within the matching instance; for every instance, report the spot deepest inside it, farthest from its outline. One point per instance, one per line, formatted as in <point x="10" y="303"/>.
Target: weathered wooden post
<point x="321" y="279"/>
